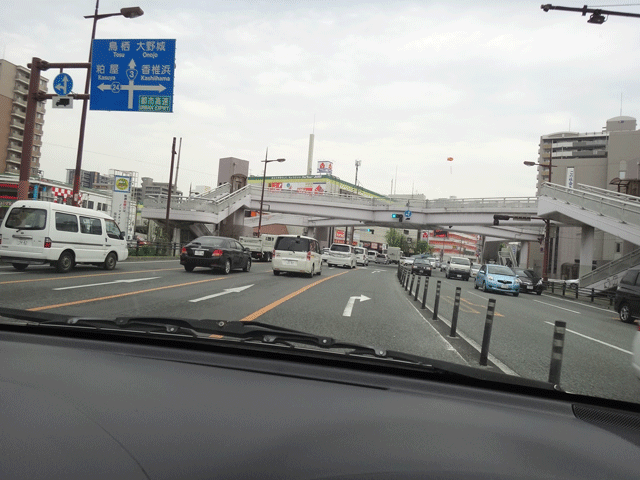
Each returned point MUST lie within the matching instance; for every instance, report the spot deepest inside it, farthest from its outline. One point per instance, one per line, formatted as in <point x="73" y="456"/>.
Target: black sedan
<point x="529" y="281"/>
<point x="421" y="266"/>
<point x="221" y="253"/>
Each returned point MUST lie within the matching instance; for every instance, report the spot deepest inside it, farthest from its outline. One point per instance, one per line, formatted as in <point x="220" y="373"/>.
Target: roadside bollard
<point x="593" y="294"/>
<point x="556" y="352"/>
<point x="406" y="281"/>
<point x="454" y="316"/>
<point x="424" y="293"/>
<point x="564" y="288"/>
<point x="437" y="301"/>
<point x="415" y="296"/>
<point x="401" y="276"/>
<point x="486" y="338"/>
<point x="413" y="277"/>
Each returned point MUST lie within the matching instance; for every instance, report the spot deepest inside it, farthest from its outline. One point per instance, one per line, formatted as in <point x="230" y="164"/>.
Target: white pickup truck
<point x="261" y="248"/>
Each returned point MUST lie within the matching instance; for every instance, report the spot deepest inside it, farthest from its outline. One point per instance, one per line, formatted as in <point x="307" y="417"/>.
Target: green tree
<point x="394" y="238"/>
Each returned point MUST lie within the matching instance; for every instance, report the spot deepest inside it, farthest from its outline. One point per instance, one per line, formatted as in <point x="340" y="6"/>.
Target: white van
<point x="342" y="255"/>
<point x="39" y="232"/>
<point x="361" y="256"/>
<point x="297" y="254"/>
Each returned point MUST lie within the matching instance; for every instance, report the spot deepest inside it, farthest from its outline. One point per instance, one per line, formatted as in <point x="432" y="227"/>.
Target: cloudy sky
<point x="399" y="85"/>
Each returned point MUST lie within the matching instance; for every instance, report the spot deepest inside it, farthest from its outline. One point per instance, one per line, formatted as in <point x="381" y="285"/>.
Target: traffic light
<point x="497" y="218"/>
<point x="398" y="216"/>
<point x="370" y="230"/>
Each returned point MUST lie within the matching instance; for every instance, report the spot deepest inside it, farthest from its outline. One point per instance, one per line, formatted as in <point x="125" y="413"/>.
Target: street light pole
<point x="264" y="177"/>
<point x="547" y="222"/>
<point x="358" y="163"/>
<point x="129" y="12"/>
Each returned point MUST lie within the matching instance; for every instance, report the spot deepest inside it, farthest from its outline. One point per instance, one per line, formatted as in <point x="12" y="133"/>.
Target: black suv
<point x="627" y="302"/>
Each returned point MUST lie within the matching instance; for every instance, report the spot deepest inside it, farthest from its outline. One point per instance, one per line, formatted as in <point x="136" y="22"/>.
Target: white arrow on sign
<point x="351" y="302"/>
<point x="133" y="280"/>
<point x="225" y="292"/>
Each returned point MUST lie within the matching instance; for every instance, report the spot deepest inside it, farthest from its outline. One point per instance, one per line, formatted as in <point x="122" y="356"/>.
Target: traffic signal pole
<point x="33" y="97"/>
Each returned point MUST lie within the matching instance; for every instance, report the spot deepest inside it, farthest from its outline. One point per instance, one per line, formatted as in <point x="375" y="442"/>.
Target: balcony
<point x="23" y="79"/>
<point x="17" y="123"/>
<point x="14" y="135"/>
<point x="17" y="88"/>
<point x="18" y="100"/>
<point x="15" y="148"/>
<point x="19" y="114"/>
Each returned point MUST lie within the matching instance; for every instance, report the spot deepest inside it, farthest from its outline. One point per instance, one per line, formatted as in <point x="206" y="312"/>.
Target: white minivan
<point x="39" y="232"/>
<point x="296" y="254"/>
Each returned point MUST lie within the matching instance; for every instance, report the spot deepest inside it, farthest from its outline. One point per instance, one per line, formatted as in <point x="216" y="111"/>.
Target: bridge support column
<point x="586" y="249"/>
<point x="524" y="255"/>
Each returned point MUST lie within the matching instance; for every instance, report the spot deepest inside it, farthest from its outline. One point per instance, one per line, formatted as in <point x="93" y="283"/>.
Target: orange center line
<point x="280" y="301"/>
<point x="120" y="295"/>
<point x="84" y="276"/>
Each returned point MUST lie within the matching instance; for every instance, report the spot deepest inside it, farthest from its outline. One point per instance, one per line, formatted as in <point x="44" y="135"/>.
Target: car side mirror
<point x="121" y="236"/>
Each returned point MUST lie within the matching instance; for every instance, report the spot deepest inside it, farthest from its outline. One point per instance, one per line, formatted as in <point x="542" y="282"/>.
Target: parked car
<point x="627" y="300"/>
<point x="497" y="278"/>
<point x="382" y="258"/>
<point x="458" y="267"/>
<point x="342" y="255"/>
<point x="221" y="253"/>
<point x="529" y="281"/>
<point x="297" y="254"/>
<point x="421" y="266"/>
<point x="361" y="256"/>
<point x="407" y="261"/>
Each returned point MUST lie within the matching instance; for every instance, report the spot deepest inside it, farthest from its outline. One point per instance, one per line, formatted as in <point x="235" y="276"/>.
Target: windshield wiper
<point x="246" y="331"/>
<point x="211" y="330"/>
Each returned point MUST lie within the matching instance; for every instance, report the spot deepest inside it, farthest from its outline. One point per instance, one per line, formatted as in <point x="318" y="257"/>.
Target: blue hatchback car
<point x="498" y="278"/>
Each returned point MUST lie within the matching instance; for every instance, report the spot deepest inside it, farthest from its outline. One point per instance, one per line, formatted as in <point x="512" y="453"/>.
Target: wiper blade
<point x="211" y="330"/>
<point x="245" y="331"/>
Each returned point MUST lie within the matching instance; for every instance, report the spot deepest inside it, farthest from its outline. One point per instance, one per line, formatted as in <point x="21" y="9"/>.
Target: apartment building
<point x="14" y="87"/>
<point x="609" y="159"/>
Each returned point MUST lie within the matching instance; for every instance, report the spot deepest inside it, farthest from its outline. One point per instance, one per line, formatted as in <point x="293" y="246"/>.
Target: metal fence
<point x="153" y="249"/>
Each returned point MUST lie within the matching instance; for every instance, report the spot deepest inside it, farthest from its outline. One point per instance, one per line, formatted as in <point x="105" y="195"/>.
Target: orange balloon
<point x="450" y="159"/>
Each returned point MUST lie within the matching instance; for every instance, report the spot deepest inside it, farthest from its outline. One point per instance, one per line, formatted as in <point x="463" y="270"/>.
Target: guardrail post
<point x="454" y="316"/>
<point x="552" y="287"/>
<point x="486" y="337"/>
<point x="424" y="293"/>
<point x="577" y="291"/>
<point x="593" y="294"/>
<point x="557" y="348"/>
<point x="564" y="288"/>
<point x="437" y="301"/>
<point x="413" y="277"/>
<point x="415" y="296"/>
<point x="406" y="281"/>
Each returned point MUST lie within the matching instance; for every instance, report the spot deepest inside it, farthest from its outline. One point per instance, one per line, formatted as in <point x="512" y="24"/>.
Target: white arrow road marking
<point x="352" y="300"/>
<point x="376" y="271"/>
<point x="133" y="280"/>
<point x="225" y="292"/>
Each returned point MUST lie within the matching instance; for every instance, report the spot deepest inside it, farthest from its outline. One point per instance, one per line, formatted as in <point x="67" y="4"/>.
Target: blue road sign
<point x="407" y="214"/>
<point x="133" y="75"/>
<point x="62" y="84"/>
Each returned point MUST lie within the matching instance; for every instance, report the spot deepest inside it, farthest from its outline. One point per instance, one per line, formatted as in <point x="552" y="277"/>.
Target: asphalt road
<point x="366" y="305"/>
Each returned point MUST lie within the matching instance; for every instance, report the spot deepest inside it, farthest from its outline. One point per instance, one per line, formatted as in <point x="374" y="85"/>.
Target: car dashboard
<point x="106" y="407"/>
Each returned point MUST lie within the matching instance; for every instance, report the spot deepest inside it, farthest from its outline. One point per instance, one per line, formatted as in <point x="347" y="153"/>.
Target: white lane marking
<point x="555" y="306"/>
<point x="448" y="345"/>
<point x="581" y="304"/>
<point x="595" y="340"/>
<point x="226" y="291"/>
<point x="376" y="271"/>
<point x="133" y="280"/>
<point x="351" y="302"/>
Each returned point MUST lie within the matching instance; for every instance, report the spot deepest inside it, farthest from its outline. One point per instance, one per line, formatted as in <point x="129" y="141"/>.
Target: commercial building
<point x="150" y="188"/>
<point x="14" y="87"/>
<point x="609" y="159"/>
<point x="91" y="179"/>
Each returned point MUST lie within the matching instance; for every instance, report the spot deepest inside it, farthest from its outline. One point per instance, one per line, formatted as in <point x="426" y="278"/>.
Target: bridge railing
<point x="625" y="208"/>
<point x="616" y="266"/>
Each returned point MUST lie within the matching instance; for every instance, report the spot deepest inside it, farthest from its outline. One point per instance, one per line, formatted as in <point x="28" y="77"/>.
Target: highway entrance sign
<point x="133" y="75"/>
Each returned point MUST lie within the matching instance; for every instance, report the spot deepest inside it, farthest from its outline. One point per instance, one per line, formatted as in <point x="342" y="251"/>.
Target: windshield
<point x="499" y="270"/>
<point x="443" y="133"/>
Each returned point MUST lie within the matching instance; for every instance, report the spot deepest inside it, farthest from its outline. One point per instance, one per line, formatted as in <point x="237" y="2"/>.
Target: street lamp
<point x="547" y="222"/>
<point x="264" y="177"/>
<point x="127" y="12"/>
<point x="358" y="163"/>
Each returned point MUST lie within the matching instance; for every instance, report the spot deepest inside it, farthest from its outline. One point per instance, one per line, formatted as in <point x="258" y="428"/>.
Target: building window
<point x="84" y="204"/>
<point x="618" y="247"/>
<point x="90" y="204"/>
